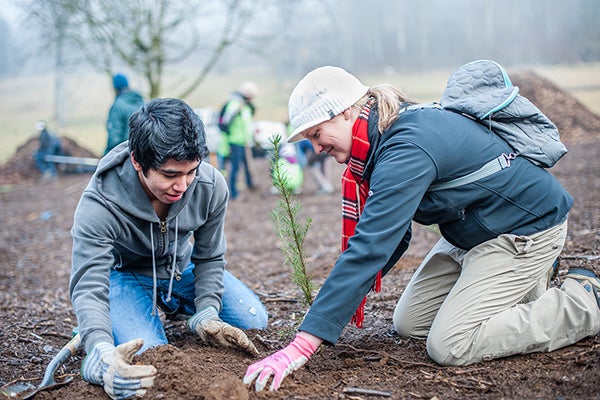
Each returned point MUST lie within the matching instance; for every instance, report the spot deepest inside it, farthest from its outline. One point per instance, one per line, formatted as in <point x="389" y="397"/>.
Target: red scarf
<point x="355" y="191"/>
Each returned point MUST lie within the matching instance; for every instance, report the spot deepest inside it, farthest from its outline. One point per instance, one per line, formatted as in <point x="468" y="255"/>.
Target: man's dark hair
<point x="164" y="129"/>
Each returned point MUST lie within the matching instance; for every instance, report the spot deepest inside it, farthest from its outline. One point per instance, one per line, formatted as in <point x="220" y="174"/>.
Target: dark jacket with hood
<point x="425" y="146"/>
<point x="115" y="226"/>
<point x="117" y="125"/>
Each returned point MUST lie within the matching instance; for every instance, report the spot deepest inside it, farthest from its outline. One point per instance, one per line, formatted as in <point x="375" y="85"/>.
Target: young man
<point x="148" y="233"/>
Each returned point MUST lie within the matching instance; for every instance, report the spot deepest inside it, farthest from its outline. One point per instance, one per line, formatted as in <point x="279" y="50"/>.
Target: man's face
<point x="167" y="183"/>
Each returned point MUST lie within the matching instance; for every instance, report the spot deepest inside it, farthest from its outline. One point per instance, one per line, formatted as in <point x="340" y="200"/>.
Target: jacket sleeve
<point x="210" y="245"/>
<point x="117" y="124"/>
<point x="401" y="176"/>
<point x="93" y="237"/>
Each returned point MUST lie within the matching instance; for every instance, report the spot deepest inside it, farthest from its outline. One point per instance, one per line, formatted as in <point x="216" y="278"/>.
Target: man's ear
<point x="136" y="165"/>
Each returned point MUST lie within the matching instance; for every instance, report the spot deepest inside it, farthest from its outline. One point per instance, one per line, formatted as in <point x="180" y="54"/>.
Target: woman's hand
<point x="282" y="363"/>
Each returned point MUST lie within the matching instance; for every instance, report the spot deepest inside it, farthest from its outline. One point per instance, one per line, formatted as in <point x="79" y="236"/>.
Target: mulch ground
<point x="368" y="363"/>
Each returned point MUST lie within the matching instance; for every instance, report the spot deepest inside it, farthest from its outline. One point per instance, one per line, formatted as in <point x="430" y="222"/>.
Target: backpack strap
<point x="491" y="167"/>
<point x="496" y="165"/>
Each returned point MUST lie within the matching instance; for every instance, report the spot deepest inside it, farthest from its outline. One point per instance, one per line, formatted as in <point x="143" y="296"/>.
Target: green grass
<point x="26" y="99"/>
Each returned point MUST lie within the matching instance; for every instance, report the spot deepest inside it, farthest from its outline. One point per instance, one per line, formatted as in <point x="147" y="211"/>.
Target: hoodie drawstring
<point x="174" y="263"/>
<point x="173" y="268"/>
<point x="154" y="280"/>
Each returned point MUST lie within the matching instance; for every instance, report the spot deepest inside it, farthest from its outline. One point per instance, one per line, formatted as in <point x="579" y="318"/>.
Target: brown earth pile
<point x="20" y="168"/>
<point x="575" y="122"/>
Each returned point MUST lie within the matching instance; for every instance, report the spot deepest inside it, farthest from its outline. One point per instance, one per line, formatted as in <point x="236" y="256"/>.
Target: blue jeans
<point x="131" y="305"/>
<point x="238" y="158"/>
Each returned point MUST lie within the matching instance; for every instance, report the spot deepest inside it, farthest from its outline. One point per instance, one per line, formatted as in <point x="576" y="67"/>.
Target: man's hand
<point x="283" y="362"/>
<point x="218" y="333"/>
<point x="111" y="368"/>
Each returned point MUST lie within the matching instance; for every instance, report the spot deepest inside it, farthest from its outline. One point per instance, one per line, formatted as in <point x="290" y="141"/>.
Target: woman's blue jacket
<point x="426" y="146"/>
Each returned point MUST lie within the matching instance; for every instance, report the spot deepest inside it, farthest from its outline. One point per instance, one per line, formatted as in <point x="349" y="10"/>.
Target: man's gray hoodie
<point x="115" y="226"/>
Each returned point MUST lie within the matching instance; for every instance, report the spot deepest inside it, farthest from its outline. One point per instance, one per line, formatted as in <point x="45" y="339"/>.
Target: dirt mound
<point x="575" y="122"/>
<point x="21" y="166"/>
<point x="181" y="375"/>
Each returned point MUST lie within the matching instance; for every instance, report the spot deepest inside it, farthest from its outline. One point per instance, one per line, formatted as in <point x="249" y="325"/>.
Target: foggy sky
<point x="399" y="34"/>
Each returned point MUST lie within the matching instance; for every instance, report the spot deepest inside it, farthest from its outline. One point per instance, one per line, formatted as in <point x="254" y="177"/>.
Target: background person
<point x="49" y="146"/>
<point x="223" y="154"/>
<point x="126" y="102"/>
<point x="315" y="163"/>
<point x="236" y="123"/>
<point x="289" y="166"/>
<point x="483" y="291"/>
<point x="148" y="233"/>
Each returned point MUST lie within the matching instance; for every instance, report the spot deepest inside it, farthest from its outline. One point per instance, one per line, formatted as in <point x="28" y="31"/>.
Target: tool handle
<point x="63" y="355"/>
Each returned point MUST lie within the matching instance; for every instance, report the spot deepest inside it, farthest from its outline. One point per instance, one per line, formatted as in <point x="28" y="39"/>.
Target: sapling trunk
<point x="291" y="231"/>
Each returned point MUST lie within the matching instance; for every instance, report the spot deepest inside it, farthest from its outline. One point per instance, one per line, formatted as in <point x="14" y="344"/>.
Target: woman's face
<point x="334" y="136"/>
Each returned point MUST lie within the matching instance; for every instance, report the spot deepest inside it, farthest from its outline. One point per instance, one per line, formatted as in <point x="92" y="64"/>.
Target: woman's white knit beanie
<point x="321" y="95"/>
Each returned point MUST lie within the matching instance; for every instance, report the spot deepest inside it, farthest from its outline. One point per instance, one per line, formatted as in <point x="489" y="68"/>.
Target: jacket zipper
<point x="163" y="229"/>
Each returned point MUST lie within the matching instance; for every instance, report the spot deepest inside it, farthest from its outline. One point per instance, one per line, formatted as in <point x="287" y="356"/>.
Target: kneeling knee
<point x="403" y="330"/>
<point x="406" y="327"/>
<point x="441" y="351"/>
<point x="257" y="318"/>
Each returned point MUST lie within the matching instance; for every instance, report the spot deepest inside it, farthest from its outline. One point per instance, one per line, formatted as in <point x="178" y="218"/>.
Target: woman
<point x="482" y="291"/>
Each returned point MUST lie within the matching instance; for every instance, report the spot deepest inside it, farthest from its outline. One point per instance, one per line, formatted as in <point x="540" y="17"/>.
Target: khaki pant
<point x="493" y="301"/>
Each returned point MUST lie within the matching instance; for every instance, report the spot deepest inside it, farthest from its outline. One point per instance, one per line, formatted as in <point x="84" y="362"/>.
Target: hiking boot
<point x="588" y="279"/>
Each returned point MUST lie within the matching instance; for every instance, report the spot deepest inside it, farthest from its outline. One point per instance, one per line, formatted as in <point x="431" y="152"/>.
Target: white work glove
<point x="218" y="333"/>
<point x="282" y="363"/>
<point x="111" y="368"/>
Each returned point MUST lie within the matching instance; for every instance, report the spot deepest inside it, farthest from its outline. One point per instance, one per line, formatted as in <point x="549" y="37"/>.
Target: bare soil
<point x="369" y="363"/>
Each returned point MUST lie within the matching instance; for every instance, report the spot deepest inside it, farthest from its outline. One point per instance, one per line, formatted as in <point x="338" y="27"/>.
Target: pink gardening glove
<point x="282" y="363"/>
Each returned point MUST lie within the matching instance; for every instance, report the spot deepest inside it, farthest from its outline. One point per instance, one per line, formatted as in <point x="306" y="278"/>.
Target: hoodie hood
<point x="130" y="97"/>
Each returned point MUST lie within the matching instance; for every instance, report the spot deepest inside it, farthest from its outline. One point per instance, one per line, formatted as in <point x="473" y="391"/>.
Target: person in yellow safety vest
<point x="236" y="124"/>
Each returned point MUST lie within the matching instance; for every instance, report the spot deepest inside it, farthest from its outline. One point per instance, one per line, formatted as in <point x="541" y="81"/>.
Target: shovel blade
<point x="16" y="389"/>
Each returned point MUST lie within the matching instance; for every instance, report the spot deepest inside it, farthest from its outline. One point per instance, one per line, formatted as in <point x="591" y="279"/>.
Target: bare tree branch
<point x="236" y="19"/>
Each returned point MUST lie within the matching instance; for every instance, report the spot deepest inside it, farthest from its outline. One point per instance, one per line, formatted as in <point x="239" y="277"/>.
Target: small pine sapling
<point x="291" y="232"/>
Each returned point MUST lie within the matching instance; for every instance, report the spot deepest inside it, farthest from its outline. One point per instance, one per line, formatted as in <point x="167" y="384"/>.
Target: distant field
<point x="25" y="100"/>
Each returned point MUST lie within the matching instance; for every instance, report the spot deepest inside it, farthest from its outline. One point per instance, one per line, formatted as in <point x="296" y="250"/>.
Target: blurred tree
<point x="293" y="36"/>
<point x="4" y="47"/>
<point x="53" y="19"/>
<point x="144" y="35"/>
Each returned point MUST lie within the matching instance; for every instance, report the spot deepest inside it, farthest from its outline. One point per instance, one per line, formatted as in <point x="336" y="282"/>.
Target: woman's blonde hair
<point x="388" y="100"/>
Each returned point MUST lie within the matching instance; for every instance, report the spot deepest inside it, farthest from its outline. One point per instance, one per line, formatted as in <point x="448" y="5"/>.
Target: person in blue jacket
<point x="50" y="145"/>
<point x="483" y="290"/>
<point x="126" y="102"/>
